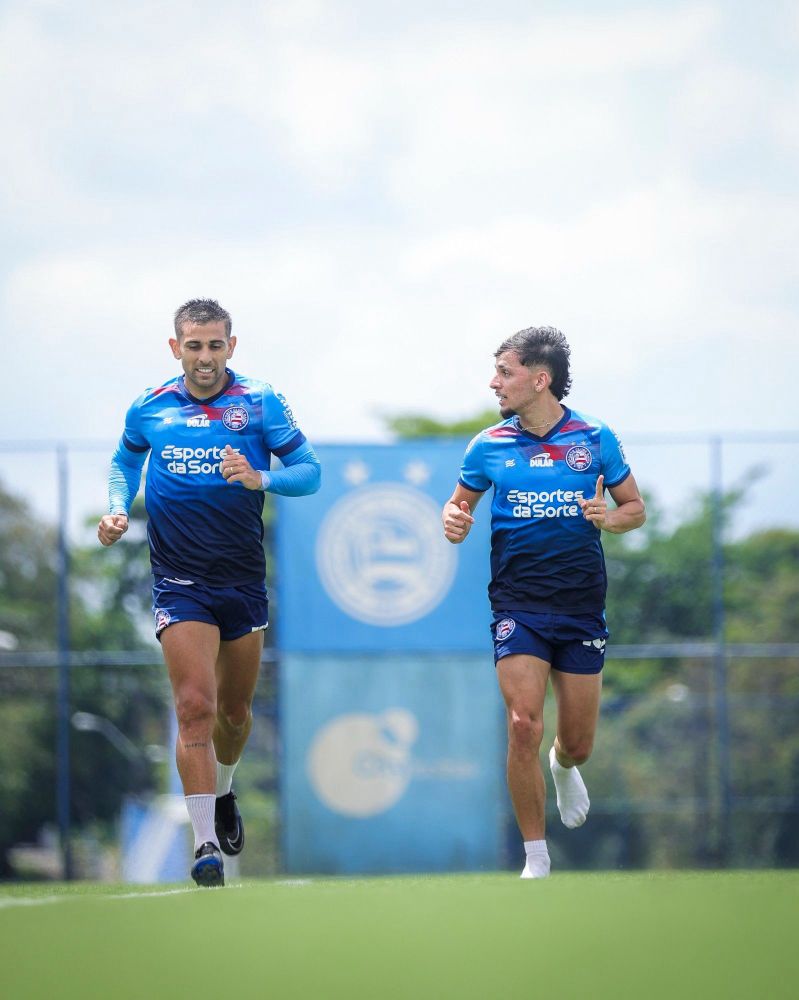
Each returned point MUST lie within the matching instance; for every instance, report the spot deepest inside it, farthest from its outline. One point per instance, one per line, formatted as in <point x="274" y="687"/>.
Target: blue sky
<point x="381" y="192"/>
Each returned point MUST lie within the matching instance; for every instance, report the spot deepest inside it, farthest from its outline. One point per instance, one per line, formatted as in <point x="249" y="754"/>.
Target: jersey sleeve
<point x="300" y="476"/>
<point x="614" y="463"/>
<point x="473" y="475"/>
<point x="281" y="434"/>
<point x="127" y="463"/>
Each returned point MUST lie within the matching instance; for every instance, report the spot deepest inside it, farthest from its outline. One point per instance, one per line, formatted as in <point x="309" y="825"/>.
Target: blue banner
<point x="363" y="564"/>
<point x="391" y="764"/>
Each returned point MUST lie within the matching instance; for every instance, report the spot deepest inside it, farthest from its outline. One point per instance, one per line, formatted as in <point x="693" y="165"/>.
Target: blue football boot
<point x="208" y="868"/>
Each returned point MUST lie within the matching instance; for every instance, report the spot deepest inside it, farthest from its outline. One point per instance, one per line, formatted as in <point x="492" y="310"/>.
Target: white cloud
<point x="465" y="179"/>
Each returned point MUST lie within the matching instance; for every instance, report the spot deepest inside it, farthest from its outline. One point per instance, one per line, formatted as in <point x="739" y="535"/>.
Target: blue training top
<point x="200" y="527"/>
<point x="545" y="556"/>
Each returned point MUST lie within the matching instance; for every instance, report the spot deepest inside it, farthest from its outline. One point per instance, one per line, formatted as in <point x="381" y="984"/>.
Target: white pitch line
<point x="11" y="901"/>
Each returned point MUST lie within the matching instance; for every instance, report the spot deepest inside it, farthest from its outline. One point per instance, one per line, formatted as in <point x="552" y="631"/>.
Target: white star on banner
<point x="356" y="472"/>
<point x="417" y="472"/>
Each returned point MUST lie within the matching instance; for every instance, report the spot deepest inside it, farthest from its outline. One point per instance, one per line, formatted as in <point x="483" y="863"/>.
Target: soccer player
<point x="210" y="434"/>
<point x="549" y="467"/>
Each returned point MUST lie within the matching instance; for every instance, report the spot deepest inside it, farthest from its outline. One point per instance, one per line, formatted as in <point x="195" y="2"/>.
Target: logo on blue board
<point x="360" y="765"/>
<point x="381" y="556"/>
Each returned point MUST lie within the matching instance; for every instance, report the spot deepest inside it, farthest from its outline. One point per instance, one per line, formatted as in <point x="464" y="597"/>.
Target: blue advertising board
<point x="363" y="563"/>
<point x="391" y="764"/>
<point x="392" y="728"/>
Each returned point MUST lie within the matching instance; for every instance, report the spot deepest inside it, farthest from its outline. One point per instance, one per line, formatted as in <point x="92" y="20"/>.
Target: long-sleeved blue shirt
<point x="201" y="527"/>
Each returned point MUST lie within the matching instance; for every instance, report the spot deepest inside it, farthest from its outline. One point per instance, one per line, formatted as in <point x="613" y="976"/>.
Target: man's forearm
<point x="627" y="516"/>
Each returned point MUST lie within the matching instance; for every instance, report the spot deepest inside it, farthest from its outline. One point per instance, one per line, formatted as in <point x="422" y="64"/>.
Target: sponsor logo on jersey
<point x="509" y="463"/>
<point x="545" y="503"/>
<point x="235" y="418"/>
<point x="542" y="461"/>
<point x="504" y="629"/>
<point x="286" y="411"/>
<point x="598" y="644"/>
<point x="621" y="446"/>
<point x="199" y="421"/>
<point x="192" y="461"/>
<point x="579" y="458"/>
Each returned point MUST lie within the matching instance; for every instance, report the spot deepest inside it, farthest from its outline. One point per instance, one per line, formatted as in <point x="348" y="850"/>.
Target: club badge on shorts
<point x="162" y="619"/>
<point x="504" y="629"/>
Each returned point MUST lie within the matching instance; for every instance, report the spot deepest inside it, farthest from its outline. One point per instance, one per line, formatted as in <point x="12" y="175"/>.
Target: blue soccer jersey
<point x="200" y="527"/>
<point x="545" y="556"/>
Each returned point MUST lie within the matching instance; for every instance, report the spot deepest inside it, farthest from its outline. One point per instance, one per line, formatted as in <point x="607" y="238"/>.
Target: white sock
<point x="573" y="801"/>
<point x="537" y="863"/>
<point x="201" y="813"/>
<point x="224" y="777"/>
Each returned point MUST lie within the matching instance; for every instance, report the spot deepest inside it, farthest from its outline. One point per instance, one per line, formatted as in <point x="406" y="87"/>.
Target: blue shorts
<point x="573" y="644"/>
<point x="236" y="611"/>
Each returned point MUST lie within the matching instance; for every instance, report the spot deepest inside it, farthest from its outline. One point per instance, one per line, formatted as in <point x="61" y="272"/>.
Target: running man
<point x="210" y="434"/>
<point x="549" y="467"/>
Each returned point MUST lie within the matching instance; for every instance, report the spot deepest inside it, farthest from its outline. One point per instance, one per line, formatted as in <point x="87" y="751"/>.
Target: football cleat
<point x="208" y="868"/>
<point x="228" y="825"/>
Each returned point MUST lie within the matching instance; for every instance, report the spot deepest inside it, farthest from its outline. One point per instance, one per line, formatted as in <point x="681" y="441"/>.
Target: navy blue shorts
<point x="573" y="644"/>
<point x="236" y="611"/>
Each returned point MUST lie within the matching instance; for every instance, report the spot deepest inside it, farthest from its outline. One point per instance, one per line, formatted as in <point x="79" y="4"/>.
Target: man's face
<point x="513" y="383"/>
<point x="203" y="349"/>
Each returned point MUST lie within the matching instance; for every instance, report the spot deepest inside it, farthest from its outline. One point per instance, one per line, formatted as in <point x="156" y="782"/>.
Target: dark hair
<point x="545" y="346"/>
<point x="202" y="311"/>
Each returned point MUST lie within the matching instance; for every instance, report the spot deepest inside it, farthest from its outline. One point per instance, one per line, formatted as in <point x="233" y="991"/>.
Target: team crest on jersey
<point x="504" y="629"/>
<point x="162" y="619"/>
<point x="579" y="458"/>
<point x="235" y="418"/>
<point x="542" y="461"/>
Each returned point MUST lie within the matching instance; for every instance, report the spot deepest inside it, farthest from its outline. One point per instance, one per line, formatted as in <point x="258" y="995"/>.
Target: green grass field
<point x="642" y="935"/>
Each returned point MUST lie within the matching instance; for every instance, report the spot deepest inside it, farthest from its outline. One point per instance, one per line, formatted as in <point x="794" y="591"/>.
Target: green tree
<point x="105" y="614"/>
<point x="413" y="426"/>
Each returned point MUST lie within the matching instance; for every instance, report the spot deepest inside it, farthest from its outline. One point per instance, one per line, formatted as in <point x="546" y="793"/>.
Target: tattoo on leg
<point x="191" y="746"/>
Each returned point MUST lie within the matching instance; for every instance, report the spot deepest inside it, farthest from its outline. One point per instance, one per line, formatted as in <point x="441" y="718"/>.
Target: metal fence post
<point x="720" y="654"/>
<point x="63" y="783"/>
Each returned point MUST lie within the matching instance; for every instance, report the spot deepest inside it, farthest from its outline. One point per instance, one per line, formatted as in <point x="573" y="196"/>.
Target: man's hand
<point x="595" y="509"/>
<point x="458" y="521"/>
<point x="111" y="528"/>
<point x="236" y="469"/>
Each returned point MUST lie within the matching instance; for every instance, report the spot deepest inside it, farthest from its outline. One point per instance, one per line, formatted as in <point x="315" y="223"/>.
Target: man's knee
<point x="525" y="732"/>
<point x="576" y="749"/>
<point x="194" y="709"/>
<point x="234" y="718"/>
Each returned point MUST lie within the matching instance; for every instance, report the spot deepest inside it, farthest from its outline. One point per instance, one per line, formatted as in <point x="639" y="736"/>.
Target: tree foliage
<point x="415" y="426"/>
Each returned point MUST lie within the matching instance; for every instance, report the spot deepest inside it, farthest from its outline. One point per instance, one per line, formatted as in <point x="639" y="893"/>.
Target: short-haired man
<point x="549" y="467"/>
<point x="210" y="434"/>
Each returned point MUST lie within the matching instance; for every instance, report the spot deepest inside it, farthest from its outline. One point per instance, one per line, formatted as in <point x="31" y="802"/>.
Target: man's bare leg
<point x="578" y="698"/>
<point x="523" y="683"/>
<point x="237" y="668"/>
<point x="190" y="651"/>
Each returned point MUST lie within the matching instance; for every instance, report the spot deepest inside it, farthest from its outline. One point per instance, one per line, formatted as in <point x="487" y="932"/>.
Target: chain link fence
<point x="697" y="758"/>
